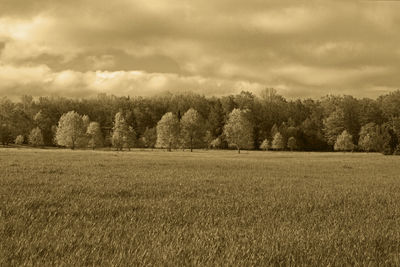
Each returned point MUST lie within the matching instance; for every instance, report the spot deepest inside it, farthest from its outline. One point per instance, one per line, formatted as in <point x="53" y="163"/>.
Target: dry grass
<point x="203" y="208"/>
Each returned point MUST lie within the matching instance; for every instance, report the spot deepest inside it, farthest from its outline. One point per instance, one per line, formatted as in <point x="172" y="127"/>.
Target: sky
<point x="80" y="48"/>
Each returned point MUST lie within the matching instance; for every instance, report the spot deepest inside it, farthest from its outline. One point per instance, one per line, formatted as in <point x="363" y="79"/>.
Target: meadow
<point x="146" y="208"/>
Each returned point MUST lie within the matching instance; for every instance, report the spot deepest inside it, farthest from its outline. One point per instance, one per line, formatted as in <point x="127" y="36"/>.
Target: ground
<point x="61" y="207"/>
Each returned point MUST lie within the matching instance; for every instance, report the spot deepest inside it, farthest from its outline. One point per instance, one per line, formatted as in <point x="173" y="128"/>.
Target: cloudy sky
<point x="80" y="48"/>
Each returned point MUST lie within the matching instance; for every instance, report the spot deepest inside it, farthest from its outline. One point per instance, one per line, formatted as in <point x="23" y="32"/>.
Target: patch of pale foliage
<point x="239" y="130"/>
<point x="168" y="131"/>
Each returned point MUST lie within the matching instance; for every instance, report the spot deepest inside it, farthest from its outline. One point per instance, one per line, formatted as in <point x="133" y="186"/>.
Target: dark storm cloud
<point x="301" y="48"/>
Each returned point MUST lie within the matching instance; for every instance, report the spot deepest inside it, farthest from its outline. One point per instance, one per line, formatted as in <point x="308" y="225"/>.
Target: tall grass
<point x="203" y="208"/>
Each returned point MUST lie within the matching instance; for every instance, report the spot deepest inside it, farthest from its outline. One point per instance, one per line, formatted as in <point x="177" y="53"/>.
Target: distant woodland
<point x="192" y="121"/>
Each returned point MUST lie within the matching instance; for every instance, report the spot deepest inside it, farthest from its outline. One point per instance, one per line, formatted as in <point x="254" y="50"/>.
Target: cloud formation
<point x="302" y="48"/>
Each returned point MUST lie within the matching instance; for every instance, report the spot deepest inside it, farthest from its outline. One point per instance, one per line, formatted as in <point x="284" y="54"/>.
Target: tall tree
<point x="344" y="142"/>
<point x="130" y="139"/>
<point x="334" y="126"/>
<point x="278" y="142"/>
<point x="192" y="128"/>
<point x="19" y="140"/>
<point x="265" y="145"/>
<point x="238" y="130"/>
<point x="70" y="130"/>
<point x="36" y="137"/>
<point x="149" y="137"/>
<point x="94" y="135"/>
<point x="292" y="144"/>
<point x="120" y="132"/>
<point x="168" y="131"/>
<point x="370" y="137"/>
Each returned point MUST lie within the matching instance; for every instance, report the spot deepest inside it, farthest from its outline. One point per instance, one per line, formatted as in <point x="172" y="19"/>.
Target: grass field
<point x="62" y="207"/>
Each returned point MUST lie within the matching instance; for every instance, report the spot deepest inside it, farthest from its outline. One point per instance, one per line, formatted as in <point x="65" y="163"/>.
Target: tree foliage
<point x="19" y="140"/>
<point x="192" y="129"/>
<point x="265" y="145"/>
<point x="292" y="143"/>
<point x="36" y="137"/>
<point x="149" y="137"/>
<point x="238" y="130"/>
<point x="168" y="131"/>
<point x="95" y="137"/>
<point x="70" y="131"/>
<point x="278" y="142"/>
<point x="344" y="142"/>
<point x="314" y="123"/>
<point x="120" y="133"/>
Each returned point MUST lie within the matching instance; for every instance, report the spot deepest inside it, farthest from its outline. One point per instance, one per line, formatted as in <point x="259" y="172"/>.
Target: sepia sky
<point x="79" y="48"/>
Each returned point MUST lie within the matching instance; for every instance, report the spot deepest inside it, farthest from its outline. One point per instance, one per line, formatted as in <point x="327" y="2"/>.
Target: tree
<point x="278" y="143"/>
<point x="334" y="126"/>
<point x="44" y="123"/>
<point x="265" y="145"/>
<point x="36" y="137"/>
<point x="344" y="142"/>
<point x="208" y="138"/>
<point x="86" y="121"/>
<point x="130" y="139"/>
<point x="6" y="136"/>
<point x="370" y="137"/>
<point x="274" y="130"/>
<point x="19" y="140"/>
<point x="94" y="135"/>
<point x="366" y="143"/>
<point x="149" y="137"/>
<point x="215" y="121"/>
<point x="192" y="129"/>
<point x="292" y="144"/>
<point x="120" y="132"/>
<point x="168" y="131"/>
<point x="238" y="130"/>
<point x="70" y="130"/>
<point x="216" y="143"/>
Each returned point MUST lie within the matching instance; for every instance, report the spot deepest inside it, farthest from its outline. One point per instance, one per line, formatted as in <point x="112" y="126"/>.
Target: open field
<point x="70" y="208"/>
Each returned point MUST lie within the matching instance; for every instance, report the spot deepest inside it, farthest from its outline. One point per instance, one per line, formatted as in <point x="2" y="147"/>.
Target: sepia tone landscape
<point x="193" y="133"/>
<point x="201" y="208"/>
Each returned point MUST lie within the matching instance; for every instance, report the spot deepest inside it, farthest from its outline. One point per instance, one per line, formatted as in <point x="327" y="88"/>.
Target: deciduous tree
<point x="334" y="126"/>
<point x="265" y="145"/>
<point x="149" y="137"/>
<point x="192" y="128"/>
<point x="70" y="130"/>
<point x="120" y="132"/>
<point x="19" y="140"/>
<point x="168" y="131"/>
<point x="344" y="142"/>
<point x="238" y="130"/>
<point x="292" y="143"/>
<point x="95" y="137"/>
<point x="277" y="142"/>
<point x="36" y="137"/>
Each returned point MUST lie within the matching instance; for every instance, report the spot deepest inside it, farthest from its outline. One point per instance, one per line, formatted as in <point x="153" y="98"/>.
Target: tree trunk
<point x="238" y="150"/>
<point x="191" y="145"/>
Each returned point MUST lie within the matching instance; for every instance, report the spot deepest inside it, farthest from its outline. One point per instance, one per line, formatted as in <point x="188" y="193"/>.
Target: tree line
<point x="189" y="121"/>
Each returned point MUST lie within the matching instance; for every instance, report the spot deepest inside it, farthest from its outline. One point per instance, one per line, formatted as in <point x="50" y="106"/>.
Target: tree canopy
<point x="314" y="123"/>
<point x="70" y="131"/>
<point x="238" y="130"/>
